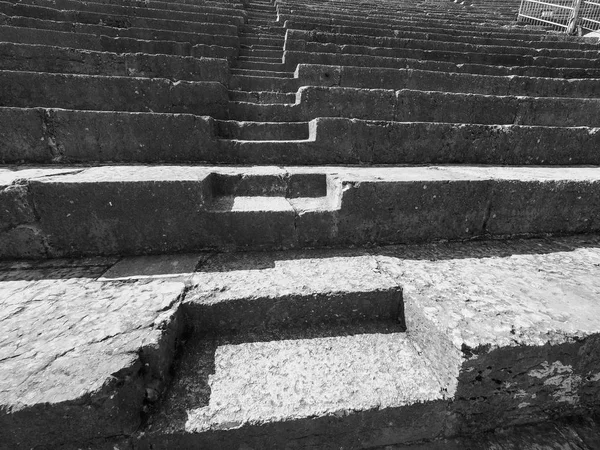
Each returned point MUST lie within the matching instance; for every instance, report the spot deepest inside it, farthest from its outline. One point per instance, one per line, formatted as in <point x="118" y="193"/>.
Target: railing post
<point x="574" y="19"/>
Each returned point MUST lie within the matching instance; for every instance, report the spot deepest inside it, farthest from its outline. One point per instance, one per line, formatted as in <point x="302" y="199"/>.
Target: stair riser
<point x="457" y="56"/>
<point x="277" y="53"/>
<point x="358" y="41"/>
<point x="119" y="21"/>
<point x="213" y="34"/>
<point x="379" y="78"/>
<point x="61" y="33"/>
<point x="408" y="25"/>
<point x="261" y="97"/>
<point x="60" y="60"/>
<point x="292" y="59"/>
<point x="424" y="106"/>
<point x="245" y="83"/>
<point x="263" y="132"/>
<point x="47" y="136"/>
<point x="135" y="7"/>
<point x="372" y="30"/>
<point x="113" y="94"/>
<point x="151" y="216"/>
<point x="258" y="65"/>
<point x="119" y="16"/>
<point x="262" y="40"/>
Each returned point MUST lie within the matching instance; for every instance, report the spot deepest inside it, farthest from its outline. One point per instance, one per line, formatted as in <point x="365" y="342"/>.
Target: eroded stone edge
<point x="112" y="413"/>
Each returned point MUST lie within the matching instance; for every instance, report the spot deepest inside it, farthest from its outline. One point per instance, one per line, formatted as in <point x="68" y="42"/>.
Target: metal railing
<point x="569" y="16"/>
<point x="589" y="15"/>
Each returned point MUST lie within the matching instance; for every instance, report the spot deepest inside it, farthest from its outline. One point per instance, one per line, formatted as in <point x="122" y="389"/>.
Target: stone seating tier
<point x="150" y="149"/>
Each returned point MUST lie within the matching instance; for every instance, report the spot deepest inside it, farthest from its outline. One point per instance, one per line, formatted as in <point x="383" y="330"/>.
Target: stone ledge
<point x="80" y="358"/>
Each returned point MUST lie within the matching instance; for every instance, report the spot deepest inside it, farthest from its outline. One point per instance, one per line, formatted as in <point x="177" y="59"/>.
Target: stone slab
<point x="43" y="135"/>
<point x="95" y="92"/>
<point x="430" y="80"/>
<point x="293" y="289"/>
<point x="285" y="380"/>
<point x="521" y="318"/>
<point x="360" y="428"/>
<point x="56" y="59"/>
<point x="102" y="207"/>
<point x="79" y="357"/>
<point x="293" y="58"/>
<point x="173" y="267"/>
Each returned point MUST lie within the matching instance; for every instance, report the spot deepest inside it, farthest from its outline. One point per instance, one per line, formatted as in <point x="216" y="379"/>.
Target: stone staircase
<point x="297" y="224"/>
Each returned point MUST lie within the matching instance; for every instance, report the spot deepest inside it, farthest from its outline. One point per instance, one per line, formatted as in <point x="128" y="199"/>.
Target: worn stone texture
<point x="286" y="380"/>
<point x="354" y="428"/>
<point x="78" y="357"/>
<point x="251" y="290"/>
<point x="522" y="318"/>
<point x="174" y="267"/>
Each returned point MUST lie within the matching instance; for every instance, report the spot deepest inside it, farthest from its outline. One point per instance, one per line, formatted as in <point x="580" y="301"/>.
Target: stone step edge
<point x="60" y="136"/>
<point x="167" y="202"/>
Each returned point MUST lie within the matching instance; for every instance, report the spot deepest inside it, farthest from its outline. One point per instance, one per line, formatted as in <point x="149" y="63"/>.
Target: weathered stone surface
<point x="521" y="319"/>
<point x="429" y="80"/>
<point x="58" y="59"/>
<point x="182" y="212"/>
<point x="350" y="429"/>
<point x="99" y="202"/>
<point x="293" y="58"/>
<point x="180" y="267"/>
<point x="78" y="356"/>
<point x="279" y="381"/>
<point x="460" y="202"/>
<point x="267" y="290"/>
<point x="95" y="92"/>
<point x="56" y="135"/>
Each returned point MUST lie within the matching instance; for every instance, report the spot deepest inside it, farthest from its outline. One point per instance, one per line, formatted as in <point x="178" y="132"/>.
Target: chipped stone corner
<point x="119" y="369"/>
<point x="521" y="384"/>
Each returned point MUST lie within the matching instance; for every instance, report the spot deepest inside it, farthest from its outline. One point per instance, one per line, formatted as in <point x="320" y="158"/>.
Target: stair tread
<point x="265" y="382"/>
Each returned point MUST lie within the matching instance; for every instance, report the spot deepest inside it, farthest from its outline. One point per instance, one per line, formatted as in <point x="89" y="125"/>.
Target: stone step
<point x="263" y="83"/>
<point x="262" y="131"/>
<point x="354" y="42"/>
<point x="225" y="35"/>
<point x="111" y="93"/>
<point x="155" y="9"/>
<point x="260" y="22"/>
<point x="280" y="330"/>
<point x="479" y="56"/>
<point x="43" y="58"/>
<point x="300" y="23"/>
<point x="292" y="59"/>
<point x="157" y="209"/>
<point x="382" y="78"/>
<point x="433" y="25"/>
<point x="252" y="64"/>
<point x="266" y="7"/>
<point x="262" y="97"/>
<point x="311" y="390"/>
<point x="261" y="14"/>
<point x="262" y="39"/>
<point x="38" y="12"/>
<point x="266" y="30"/>
<point x="261" y="59"/>
<point x="92" y="13"/>
<point x="39" y="135"/>
<point x="255" y="73"/>
<point x="423" y="106"/>
<point x="70" y="40"/>
<point x="265" y="52"/>
<point x="392" y="17"/>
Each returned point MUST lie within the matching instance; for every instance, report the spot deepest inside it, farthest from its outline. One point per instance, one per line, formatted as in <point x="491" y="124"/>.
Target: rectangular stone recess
<point x="270" y="290"/>
<point x="281" y="381"/>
